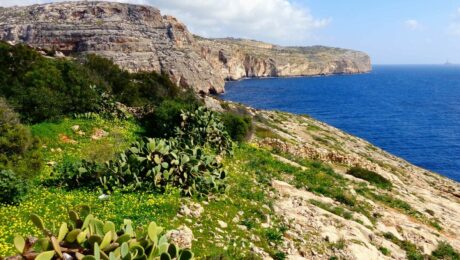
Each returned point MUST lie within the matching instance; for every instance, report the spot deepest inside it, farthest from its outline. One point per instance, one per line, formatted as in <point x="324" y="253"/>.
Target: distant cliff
<point x="139" y="38"/>
<point x="237" y="58"/>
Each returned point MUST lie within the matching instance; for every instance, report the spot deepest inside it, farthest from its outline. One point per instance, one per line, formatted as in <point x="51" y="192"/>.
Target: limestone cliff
<point x="139" y="38"/>
<point x="238" y="58"/>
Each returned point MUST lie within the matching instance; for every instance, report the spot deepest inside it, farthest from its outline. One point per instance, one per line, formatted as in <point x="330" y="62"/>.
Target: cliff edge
<point x="140" y="38"/>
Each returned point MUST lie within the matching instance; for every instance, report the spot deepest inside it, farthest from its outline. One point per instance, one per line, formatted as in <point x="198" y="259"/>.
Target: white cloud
<point x="278" y="21"/>
<point x="413" y="24"/>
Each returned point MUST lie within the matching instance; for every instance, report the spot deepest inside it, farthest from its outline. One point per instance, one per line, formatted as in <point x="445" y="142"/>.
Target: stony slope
<point x="140" y="38"/>
<point x="422" y="208"/>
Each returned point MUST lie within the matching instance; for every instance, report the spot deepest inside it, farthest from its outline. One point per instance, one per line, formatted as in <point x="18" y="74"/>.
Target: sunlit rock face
<point x="139" y="38"/>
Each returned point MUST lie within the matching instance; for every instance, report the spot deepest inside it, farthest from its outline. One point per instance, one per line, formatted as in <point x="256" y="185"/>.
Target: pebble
<point x="222" y="224"/>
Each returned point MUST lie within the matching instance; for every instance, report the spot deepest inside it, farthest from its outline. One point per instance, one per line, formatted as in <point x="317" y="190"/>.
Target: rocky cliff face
<point x="237" y="58"/>
<point x="139" y="38"/>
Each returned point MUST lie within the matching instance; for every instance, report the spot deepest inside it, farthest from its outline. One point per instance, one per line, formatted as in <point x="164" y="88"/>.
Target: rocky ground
<point x="422" y="208"/>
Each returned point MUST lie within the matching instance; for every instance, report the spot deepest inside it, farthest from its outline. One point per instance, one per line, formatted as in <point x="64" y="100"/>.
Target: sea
<point x="412" y="111"/>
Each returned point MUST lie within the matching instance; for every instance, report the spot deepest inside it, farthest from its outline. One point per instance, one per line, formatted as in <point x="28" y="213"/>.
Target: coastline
<point x="293" y="138"/>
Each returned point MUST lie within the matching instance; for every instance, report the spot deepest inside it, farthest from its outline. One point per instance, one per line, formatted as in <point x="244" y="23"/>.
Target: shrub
<point x="445" y="251"/>
<point x="12" y="188"/>
<point x="18" y="148"/>
<point x="89" y="238"/>
<point x="149" y="166"/>
<point x="42" y="89"/>
<point x="72" y="174"/>
<point x="385" y="251"/>
<point x="370" y="176"/>
<point x="274" y="235"/>
<point x="238" y="127"/>
<point x="134" y="89"/>
<point x="164" y="120"/>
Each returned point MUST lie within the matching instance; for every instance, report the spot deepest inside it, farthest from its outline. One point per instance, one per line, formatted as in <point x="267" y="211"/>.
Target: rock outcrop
<point x="140" y="38"/>
<point x="421" y="210"/>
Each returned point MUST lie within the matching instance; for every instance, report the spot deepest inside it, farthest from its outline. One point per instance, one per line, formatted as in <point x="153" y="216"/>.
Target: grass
<point x="248" y="185"/>
<point x="370" y="176"/>
<point x="246" y="202"/>
<point x="445" y="251"/>
<point x="61" y="141"/>
<point x="412" y="251"/>
<point x="318" y="178"/>
<point x="266" y="133"/>
<point x="385" y="251"/>
<point x="340" y="244"/>
<point x="339" y="211"/>
<point x="313" y="128"/>
<point x="52" y="205"/>
<point x="390" y="201"/>
<point x="247" y="193"/>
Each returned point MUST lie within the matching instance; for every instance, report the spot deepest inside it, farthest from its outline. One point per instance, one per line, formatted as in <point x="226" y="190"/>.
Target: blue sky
<point x="391" y="31"/>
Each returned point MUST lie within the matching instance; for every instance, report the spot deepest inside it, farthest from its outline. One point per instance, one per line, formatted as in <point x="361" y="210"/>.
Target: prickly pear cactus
<point x="85" y="237"/>
<point x="204" y="128"/>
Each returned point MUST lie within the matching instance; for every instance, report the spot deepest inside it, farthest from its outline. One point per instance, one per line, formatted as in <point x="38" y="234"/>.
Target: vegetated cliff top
<point x="140" y="38"/>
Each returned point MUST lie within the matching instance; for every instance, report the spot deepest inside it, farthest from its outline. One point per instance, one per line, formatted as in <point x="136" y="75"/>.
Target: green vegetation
<point x="41" y="89"/>
<point x="370" y="176"/>
<point x="203" y="127"/>
<point x="18" y="148"/>
<point x="445" y="251"/>
<point x="401" y="205"/>
<point x="339" y="211"/>
<point x="134" y="89"/>
<point x="135" y="146"/>
<point x="20" y="159"/>
<point x="266" y="133"/>
<point x="86" y="237"/>
<point x="238" y="127"/>
<point x="12" y="187"/>
<point x="164" y="119"/>
<point x="385" y="251"/>
<point x="151" y="165"/>
<point x="412" y="252"/>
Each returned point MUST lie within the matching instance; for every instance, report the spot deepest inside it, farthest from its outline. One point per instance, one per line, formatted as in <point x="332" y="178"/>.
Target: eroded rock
<point x="139" y="38"/>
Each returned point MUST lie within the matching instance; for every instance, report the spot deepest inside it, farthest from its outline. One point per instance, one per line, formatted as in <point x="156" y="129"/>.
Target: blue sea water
<point x="410" y="111"/>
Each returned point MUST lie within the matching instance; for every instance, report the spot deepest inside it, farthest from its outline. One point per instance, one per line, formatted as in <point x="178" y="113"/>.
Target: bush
<point x="72" y="175"/>
<point x="149" y="166"/>
<point x="18" y="148"/>
<point x="42" y="89"/>
<point x="370" y="176"/>
<point x="12" y="188"/>
<point x="238" y="127"/>
<point x="133" y="89"/>
<point x="86" y="237"/>
<point x="445" y="251"/>
<point x="164" y="120"/>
